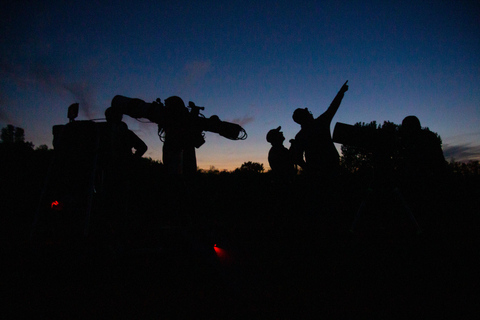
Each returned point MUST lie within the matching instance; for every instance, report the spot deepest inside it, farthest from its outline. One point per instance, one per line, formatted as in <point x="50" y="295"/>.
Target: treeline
<point x="239" y="200"/>
<point x="354" y="159"/>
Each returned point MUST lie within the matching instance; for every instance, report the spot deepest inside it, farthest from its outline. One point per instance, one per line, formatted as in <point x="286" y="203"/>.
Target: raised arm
<point x="332" y="109"/>
<point x="138" y="144"/>
<point x="296" y="153"/>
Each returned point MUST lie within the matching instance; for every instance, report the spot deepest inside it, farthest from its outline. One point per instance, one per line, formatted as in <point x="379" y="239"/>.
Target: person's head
<point x="302" y="116"/>
<point x="174" y="102"/>
<point x="112" y="114"/>
<point x="175" y="107"/>
<point x="411" y="124"/>
<point x="275" y="136"/>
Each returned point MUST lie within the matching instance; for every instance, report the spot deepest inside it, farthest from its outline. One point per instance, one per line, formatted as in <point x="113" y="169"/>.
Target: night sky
<point x="249" y="62"/>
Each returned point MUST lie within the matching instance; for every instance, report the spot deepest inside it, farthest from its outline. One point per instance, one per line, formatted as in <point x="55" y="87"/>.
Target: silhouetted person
<point x="117" y="161"/>
<point x="314" y="139"/>
<point x="279" y="157"/>
<point x="119" y="140"/>
<point x="180" y="138"/>
<point x="421" y="168"/>
<point x="422" y="156"/>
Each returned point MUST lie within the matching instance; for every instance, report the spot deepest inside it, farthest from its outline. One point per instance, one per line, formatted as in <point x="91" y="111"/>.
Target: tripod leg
<point x="409" y="212"/>
<point x="358" y="215"/>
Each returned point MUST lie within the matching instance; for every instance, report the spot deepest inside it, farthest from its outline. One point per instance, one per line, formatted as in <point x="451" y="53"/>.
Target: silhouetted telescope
<point x="369" y="138"/>
<point x="158" y="113"/>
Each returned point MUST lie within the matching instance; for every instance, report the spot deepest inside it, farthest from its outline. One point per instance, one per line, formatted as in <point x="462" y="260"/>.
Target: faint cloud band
<point x="461" y="152"/>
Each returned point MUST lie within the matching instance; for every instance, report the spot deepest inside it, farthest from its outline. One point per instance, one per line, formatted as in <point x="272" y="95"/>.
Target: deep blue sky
<point x="249" y="62"/>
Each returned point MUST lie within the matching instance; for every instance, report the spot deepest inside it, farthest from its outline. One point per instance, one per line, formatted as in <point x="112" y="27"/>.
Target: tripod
<point x="397" y="194"/>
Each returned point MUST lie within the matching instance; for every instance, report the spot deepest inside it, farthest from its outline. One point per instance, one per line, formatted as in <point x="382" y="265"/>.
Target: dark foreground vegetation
<point x="284" y="249"/>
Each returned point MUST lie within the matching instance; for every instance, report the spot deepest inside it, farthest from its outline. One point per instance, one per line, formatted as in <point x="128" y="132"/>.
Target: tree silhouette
<point x="42" y="147"/>
<point x="380" y="144"/>
<point x="8" y="134"/>
<point x="12" y="135"/>
<point x="250" y="166"/>
<point x="356" y="158"/>
<point x="470" y="168"/>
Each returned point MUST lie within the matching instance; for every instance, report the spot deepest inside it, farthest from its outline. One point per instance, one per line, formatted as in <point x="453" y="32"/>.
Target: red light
<point x="57" y="206"/>
<point x="222" y="255"/>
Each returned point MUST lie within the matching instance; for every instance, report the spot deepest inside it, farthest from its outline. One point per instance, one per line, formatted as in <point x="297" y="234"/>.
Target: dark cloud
<point x="7" y="71"/>
<point x="243" y="121"/>
<point x="196" y="70"/>
<point x="192" y="75"/>
<point x="50" y="77"/>
<point x="6" y="67"/>
<point x="84" y="94"/>
<point x="462" y="152"/>
<point x="4" y="117"/>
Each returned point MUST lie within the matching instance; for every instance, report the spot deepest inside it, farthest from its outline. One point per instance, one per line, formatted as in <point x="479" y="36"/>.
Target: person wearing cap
<point x="280" y="158"/>
<point x="314" y="141"/>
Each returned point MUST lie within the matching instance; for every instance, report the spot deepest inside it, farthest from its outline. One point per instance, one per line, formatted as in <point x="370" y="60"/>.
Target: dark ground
<point x="289" y="252"/>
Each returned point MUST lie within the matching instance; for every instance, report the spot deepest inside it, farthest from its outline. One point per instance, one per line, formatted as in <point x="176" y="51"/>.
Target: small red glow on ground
<point x="56" y="205"/>
<point x="222" y="255"/>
